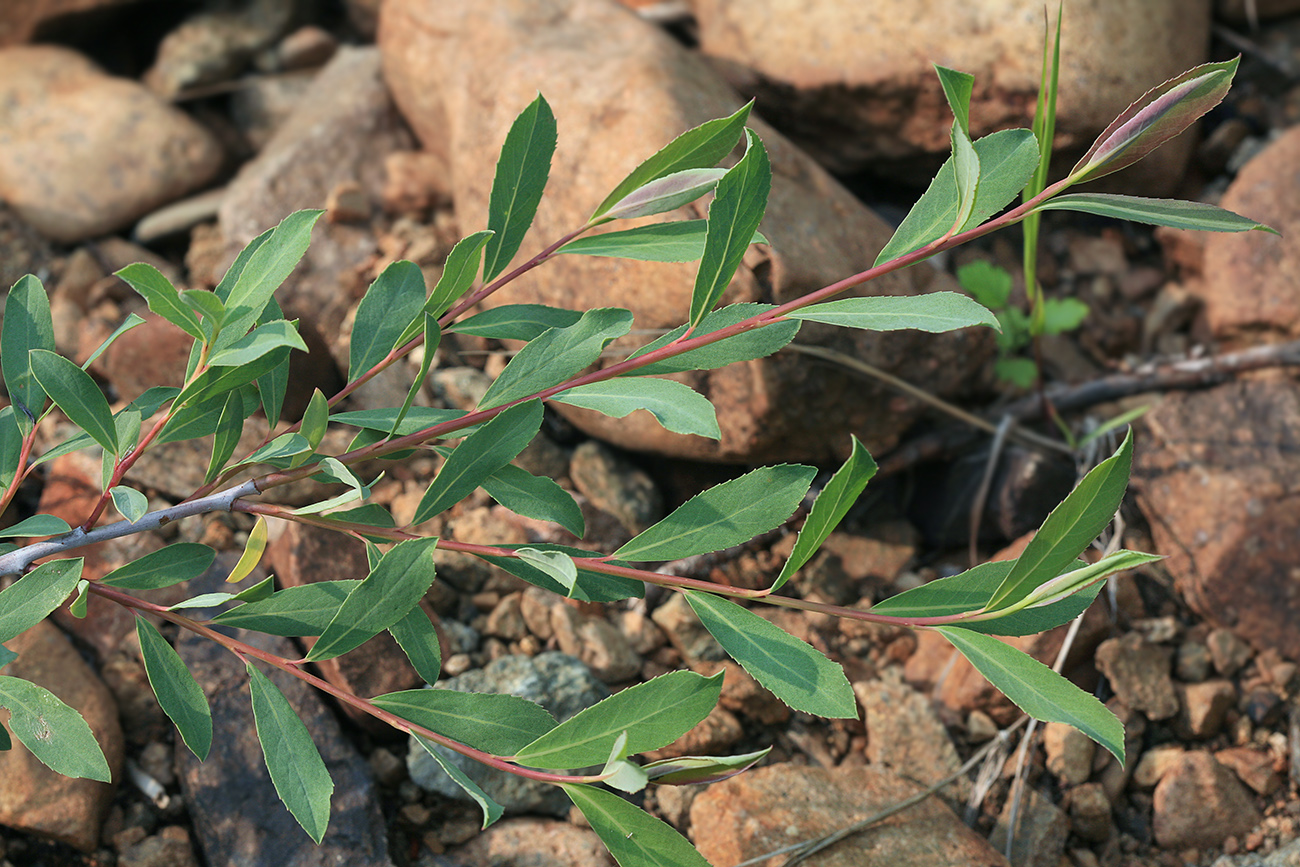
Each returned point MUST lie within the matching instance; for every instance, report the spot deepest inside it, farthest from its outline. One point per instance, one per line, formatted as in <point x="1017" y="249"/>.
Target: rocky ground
<point x="175" y="133"/>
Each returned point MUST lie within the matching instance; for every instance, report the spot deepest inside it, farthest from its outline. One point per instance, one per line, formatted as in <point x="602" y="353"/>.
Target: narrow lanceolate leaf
<point x="432" y="337"/>
<point x="1037" y="690"/>
<point x="36" y="525"/>
<point x="734" y="215"/>
<point x="292" y="612"/>
<point x="130" y="322"/>
<point x="724" y="515"/>
<point x="28" y="326"/>
<point x="11" y="445"/>
<point x="230" y="424"/>
<point x="491" y="809"/>
<point x="557" y="355"/>
<point x="1069" y="528"/>
<point x="297" y="770"/>
<point x="257" y="592"/>
<point x="481" y="454"/>
<point x="162" y="297"/>
<point x="77" y="607"/>
<point x="31" y="598"/>
<point x="457" y="277"/>
<point x="632" y="836"/>
<point x="652" y="714"/>
<point x="395" y="586"/>
<point x="535" y="497"/>
<point x="499" y="724"/>
<point x="696" y="148"/>
<point x="1007" y="160"/>
<point x="957" y="87"/>
<point x="392" y="303"/>
<point x="53" y="732"/>
<point x="746" y="346"/>
<point x="830" y="507"/>
<point x="277" y="254"/>
<point x="261" y="341"/>
<point x="1156" y="212"/>
<point x="666" y="193"/>
<point x="1076" y="580"/>
<point x="253" y="550"/>
<point x="660" y="242"/>
<point x="516" y="321"/>
<point x="692" y="770"/>
<point x="591" y="586"/>
<point x="793" y="670"/>
<point x="179" y="695"/>
<point x="1154" y="118"/>
<point x="74" y="392"/>
<point x="162" y="568"/>
<point x="679" y="408"/>
<point x="935" y="312"/>
<point x="415" y="634"/>
<point x="521" y="175"/>
<point x="315" y="419"/>
<point x="132" y="504"/>
<point x="555" y="564"/>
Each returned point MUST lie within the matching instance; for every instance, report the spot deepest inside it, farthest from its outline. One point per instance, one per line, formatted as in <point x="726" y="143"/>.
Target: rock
<point x="855" y="85"/>
<point x="742" y="695"/>
<point x="1040" y="832"/>
<point x="1228" y="652"/>
<point x="614" y="485"/>
<point x="1192" y="665"/>
<point x="169" y="848"/>
<point x="1286" y="856"/>
<point x="1215" y="481"/>
<point x="905" y="735"/>
<point x="83" y="153"/>
<point x="1254" y="10"/>
<point x="678" y="621"/>
<point x="460" y="104"/>
<point x="640" y="631"/>
<point x="35" y="799"/>
<point x="507" y="620"/>
<point x="1139" y="674"/>
<point x="1252" y="767"/>
<point x="557" y="682"/>
<point x="22" y="249"/>
<point x="534" y="842"/>
<point x="24" y="18"/>
<point x="771" y="807"/>
<point x="238" y="818"/>
<point x="712" y="736"/>
<point x="1154" y="764"/>
<point x="1249" y="277"/>
<point x="303" y="554"/>
<point x="1069" y="753"/>
<point x="1199" y="802"/>
<point x="595" y="641"/>
<point x="216" y="45"/>
<point x="535" y="608"/>
<point x="1090" y="812"/>
<point x="1203" y="707"/>
<point x="342" y="129"/>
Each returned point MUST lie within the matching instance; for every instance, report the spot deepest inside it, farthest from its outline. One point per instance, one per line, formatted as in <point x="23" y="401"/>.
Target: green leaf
<point x="205" y="417"/>
<point x="263" y="272"/>
<point x="619" y="773"/>
<point x="254" y="548"/>
<point x="830" y="507"/>
<point x="1020" y="372"/>
<point x="230" y="425"/>
<point x="280" y="451"/>
<point x="1061" y="315"/>
<point x="632" y="836"/>
<point x="36" y="525"/>
<point x="1156" y="212"/>
<point x="31" y="598"/>
<point x="988" y="284"/>
<point x="27" y="326"/>
<point x="690" y="770"/>
<point x="419" y="418"/>
<point x="77" y="608"/>
<point x="162" y="568"/>
<point x="1007" y="160"/>
<point x="957" y="88"/>
<point x="432" y="337"/>
<point x="11" y="446"/>
<point x="746" y="346"/>
<point x="497" y="724"/>
<point x="162" y="297"/>
<point x="967" y="165"/>
<point x="259" y="342"/>
<point x="652" y="714"/>
<point x="794" y="671"/>
<point x="1154" y="118"/>
<point x="53" y="732"/>
<point x="557" y="355"/>
<point x="415" y="634"/>
<point x="555" y="564"/>
<point x="534" y="497"/>
<point x="6" y="656"/>
<point x="934" y="312"/>
<point x="292" y="612"/>
<point x="315" y="419"/>
<point x="591" y="586"/>
<point x="131" y="503"/>
<point x="516" y="321"/>
<point x="665" y="194"/>
<point x="217" y="381"/>
<point x="458" y="275"/>
<point x="677" y="407"/>
<point x="1086" y="576"/>
<point x="1037" y="690"/>
<point x="734" y="215"/>
<point x="236" y="269"/>
<point x="970" y="591"/>
<point x="517" y="188"/>
<point x="491" y="809"/>
<point x="179" y="695"/>
<point x="297" y="770"/>
<point x="74" y="392"/>
<point x="395" y="586"/>
<point x="660" y="242"/>
<point x="393" y="302"/>
<point x="131" y="321"/>
<point x="256" y="593"/>
<point x="696" y="148"/>
<point x="1069" y="528"/>
<point x="725" y="515"/>
<point x="207" y="305"/>
<point x="479" y="455"/>
<point x="203" y="600"/>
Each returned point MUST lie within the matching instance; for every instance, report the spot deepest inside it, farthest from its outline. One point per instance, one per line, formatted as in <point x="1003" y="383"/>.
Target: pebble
<point x="507" y="620"/>
<point x="1154" y="764"/>
<point x="686" y="632"/>
<point x="171" y="847"/>
<point x="614" y="485"/>
<point x="1089" y="811"/>
<point x="534" y="842"/>
<point x="1069" y="753"/>
<point x="1199" y="802"/>
<point x="1253" y="767"/>
<point x="596" y="642"/>
<point x="1228" y="652"/>
<point x="1139" y="673"/>
<point x="1203" y="708"/>
<point x="1040" y="833"/>
<point x="1192" y="665"/>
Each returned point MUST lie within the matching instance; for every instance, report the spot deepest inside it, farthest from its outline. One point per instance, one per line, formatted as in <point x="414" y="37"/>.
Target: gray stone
<point x="1038" y="840"/>
<point x="556" y="681"/>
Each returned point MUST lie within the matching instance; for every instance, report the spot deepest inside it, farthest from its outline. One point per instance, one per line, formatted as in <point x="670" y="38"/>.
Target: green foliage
<point x="239" y="362"/>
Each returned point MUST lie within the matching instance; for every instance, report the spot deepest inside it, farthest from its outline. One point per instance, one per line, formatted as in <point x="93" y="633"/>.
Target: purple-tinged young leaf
<point x="689" y="770"/>
<point x="666" y="193"/>
<point x="1159" y="115"/>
